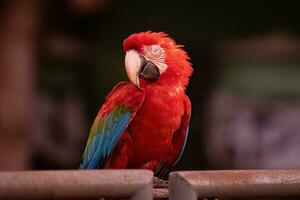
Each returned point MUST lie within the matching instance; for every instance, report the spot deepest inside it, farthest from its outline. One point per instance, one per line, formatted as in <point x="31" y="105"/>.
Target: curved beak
<point x="132" y="66"/>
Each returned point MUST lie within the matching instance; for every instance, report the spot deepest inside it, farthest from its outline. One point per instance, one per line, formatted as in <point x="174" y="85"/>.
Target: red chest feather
<point x="152" y="129"/>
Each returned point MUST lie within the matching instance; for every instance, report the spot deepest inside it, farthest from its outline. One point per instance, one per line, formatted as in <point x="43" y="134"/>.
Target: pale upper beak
<point x="132" y="66"/>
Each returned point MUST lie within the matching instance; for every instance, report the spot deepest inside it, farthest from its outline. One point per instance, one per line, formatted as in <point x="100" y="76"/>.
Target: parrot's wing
<point x="112" y="120"/>
<point x="186" y="133"/>
<point x="179" y="142"/>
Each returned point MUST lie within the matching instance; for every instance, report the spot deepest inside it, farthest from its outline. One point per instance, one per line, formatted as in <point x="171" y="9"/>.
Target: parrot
<point x="144" y="122"/>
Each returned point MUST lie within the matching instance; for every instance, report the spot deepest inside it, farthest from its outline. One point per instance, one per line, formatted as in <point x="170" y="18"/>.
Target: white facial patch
<point x="155" y="54"/>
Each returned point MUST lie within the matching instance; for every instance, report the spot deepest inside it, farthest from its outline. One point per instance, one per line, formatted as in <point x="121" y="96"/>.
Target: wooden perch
<point x="76" y="184"/>
<point x="235" y="184"/>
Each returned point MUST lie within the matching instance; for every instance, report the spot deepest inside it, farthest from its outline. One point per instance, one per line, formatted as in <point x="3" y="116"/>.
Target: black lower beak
<point x="149" y="71"/>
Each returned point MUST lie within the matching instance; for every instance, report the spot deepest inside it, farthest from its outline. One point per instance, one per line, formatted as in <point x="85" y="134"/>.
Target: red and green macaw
<point x="144" y="123"/>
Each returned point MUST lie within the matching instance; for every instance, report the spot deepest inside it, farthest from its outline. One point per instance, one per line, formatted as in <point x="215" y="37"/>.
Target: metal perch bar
<point x="234" y="184"/>
<point x="71" y="184"/>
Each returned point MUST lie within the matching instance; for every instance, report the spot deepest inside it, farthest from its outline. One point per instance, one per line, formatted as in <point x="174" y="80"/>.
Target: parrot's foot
<point x="160" y="183"/>
<point x="149" y="165"/>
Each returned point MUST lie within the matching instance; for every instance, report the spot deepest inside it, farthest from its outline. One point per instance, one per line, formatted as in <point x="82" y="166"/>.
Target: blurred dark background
<point x="60" y="58"/>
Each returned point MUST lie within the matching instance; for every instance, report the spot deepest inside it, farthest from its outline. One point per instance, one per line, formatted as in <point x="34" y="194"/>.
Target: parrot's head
<point x="154" y="58"/>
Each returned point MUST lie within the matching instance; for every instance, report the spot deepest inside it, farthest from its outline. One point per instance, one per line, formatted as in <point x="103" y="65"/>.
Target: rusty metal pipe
<point x="71" y="184"/>
<point x="234" y="184"/>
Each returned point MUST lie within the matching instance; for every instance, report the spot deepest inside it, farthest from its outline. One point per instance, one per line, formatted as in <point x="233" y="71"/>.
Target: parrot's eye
<point x="143" y="61"/>
<point x="148" y="70"/>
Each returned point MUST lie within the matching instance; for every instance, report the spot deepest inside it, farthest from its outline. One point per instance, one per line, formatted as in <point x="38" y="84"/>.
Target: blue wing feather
<point x="105" y="134"/>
